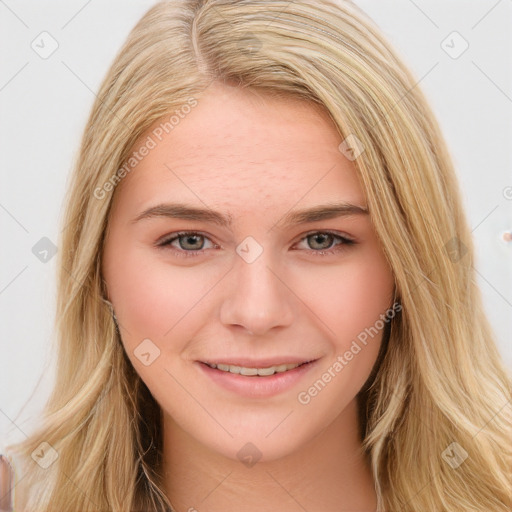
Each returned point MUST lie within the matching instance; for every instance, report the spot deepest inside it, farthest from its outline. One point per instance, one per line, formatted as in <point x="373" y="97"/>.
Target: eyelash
<point x="346" y="243"/>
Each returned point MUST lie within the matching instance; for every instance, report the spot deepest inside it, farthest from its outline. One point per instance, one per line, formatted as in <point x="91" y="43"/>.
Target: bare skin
<point x="257" y="159"/>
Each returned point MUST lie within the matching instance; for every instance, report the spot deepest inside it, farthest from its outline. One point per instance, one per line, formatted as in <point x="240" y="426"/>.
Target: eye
<point x="192" y="243"/>
<point x="322" y="242"/>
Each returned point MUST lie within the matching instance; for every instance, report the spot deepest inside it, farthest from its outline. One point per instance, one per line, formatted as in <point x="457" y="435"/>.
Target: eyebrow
<point x="313" y="214"/>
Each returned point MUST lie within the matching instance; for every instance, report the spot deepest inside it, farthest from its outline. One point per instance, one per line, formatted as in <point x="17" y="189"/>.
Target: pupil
<point x="191" y="239"/>
<point x="320" y="236"/>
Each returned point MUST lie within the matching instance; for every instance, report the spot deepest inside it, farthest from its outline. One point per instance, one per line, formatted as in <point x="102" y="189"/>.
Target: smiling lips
<point x="257" y="368"/>
<point x="257" y="379"/>
<point x="248" y="371"/>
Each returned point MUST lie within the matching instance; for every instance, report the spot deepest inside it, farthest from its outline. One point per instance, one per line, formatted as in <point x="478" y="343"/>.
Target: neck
<point x="329" y="473"/>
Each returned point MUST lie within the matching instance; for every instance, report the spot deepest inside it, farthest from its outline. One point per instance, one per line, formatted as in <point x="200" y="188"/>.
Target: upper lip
<point x="258" y="363"/>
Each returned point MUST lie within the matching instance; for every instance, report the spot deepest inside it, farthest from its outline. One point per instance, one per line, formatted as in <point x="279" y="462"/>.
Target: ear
<point x="105" y="295"/>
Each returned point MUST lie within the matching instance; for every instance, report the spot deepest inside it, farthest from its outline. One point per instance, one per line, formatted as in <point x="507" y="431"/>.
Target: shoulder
<point x="7" y="479"/>
<point x="10" y="476"/>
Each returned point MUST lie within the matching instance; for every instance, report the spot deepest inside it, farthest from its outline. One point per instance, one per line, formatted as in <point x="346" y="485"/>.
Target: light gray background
<point x="44" y="104"/>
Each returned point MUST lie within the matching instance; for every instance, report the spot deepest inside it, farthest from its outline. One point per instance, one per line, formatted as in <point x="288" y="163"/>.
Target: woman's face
<point x="274" y="271"/>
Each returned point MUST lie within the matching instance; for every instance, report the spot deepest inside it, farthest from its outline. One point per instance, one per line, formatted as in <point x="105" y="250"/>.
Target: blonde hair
<point x="440" y="380"/>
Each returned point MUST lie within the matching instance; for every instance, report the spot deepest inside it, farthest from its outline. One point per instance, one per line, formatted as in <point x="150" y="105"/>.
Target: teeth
<point x="241" y="370"/>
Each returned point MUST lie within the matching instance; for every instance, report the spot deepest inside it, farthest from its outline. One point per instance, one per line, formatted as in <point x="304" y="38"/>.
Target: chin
<point x="261" y="441"/>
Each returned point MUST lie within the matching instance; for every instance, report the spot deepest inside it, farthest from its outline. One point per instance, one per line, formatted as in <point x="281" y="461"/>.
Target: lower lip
<point x="256" y="386"/>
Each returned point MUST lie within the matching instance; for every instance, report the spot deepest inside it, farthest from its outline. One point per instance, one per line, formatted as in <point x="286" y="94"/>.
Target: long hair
<point x="436" y="415"/>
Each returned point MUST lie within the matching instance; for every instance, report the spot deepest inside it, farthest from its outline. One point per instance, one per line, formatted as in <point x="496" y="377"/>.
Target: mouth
<point x="257" y="379"/>
<point x="256" y="371"/>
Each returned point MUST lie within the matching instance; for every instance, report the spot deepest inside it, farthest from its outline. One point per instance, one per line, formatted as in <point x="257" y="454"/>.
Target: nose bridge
<point x="257" y="298"/>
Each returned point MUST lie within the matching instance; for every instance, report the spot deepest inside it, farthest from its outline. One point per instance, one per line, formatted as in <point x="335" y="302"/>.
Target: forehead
<point x="246" y="151"/>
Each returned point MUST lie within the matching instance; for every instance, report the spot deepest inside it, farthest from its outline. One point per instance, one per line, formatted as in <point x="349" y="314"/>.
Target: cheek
<point x="154" y="299"/>
<point x="350" y="305"/>
<point x="349" y="298"/>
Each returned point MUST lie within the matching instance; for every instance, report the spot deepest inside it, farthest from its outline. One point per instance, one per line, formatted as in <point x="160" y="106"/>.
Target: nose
<point x="258" y="298"/>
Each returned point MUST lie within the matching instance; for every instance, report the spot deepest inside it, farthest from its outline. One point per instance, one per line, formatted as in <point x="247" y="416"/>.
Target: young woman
<point x="267" y="298"/>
